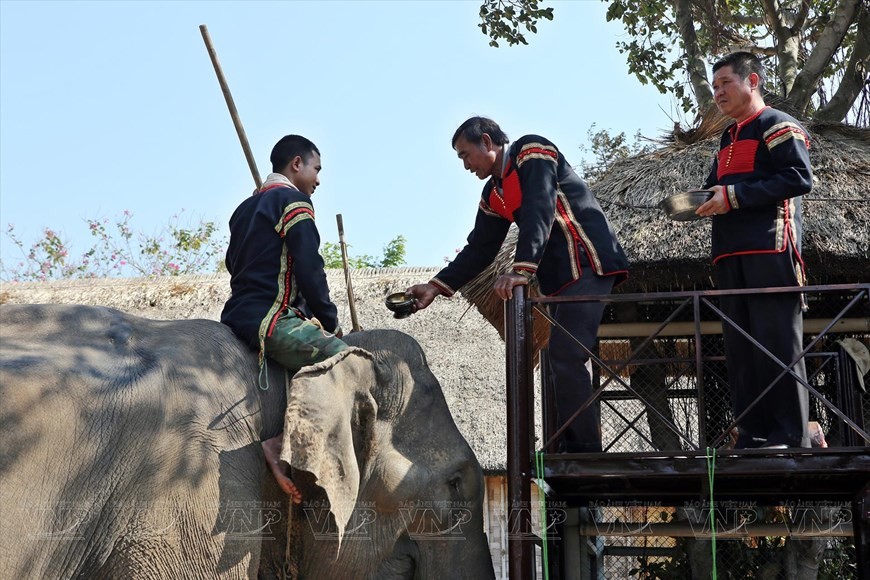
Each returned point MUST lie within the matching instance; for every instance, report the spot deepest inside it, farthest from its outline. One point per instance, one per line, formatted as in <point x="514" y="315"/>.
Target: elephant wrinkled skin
<point x="131" y="448"/>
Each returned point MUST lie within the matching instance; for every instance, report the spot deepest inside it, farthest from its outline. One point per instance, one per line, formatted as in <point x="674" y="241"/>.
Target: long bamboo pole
<point x="350" y="299"/>
<point x="231" y="105"/>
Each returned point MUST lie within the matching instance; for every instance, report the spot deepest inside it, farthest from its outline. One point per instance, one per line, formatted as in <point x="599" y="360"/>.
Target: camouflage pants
<point x="296" y="342"/>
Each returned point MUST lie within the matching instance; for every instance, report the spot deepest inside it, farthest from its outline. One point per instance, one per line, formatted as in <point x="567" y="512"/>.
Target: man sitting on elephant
<point x="280" y="302"/>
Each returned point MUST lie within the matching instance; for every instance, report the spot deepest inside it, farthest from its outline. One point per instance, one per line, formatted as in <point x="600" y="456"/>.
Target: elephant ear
<point x="327" y="404"/>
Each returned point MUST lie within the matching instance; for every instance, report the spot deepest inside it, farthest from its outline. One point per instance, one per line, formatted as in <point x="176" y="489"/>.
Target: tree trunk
<point x="830" y="40"/>
<point x="788" y="46"/>
<point x="854" y="77"/>
<point x="694" y="62"/>
<point x="788" y="62"/>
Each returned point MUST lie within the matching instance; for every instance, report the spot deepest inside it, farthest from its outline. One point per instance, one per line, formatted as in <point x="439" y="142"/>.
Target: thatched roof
<point x="464" y="352"/>
<point x="668" y="255"/>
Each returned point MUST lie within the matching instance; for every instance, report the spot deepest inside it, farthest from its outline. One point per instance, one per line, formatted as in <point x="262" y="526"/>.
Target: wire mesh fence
<point x="670" y="392"/>
<point x="811" y="552"/>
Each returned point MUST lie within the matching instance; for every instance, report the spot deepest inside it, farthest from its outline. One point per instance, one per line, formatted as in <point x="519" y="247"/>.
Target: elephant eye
<point x="455" y="481"/>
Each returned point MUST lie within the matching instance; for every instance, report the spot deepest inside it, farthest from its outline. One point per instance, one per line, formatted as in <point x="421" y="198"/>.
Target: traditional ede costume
<point x="277" y="278"/>
<point x="764" y="165"/>
<point x="565" y="240"/>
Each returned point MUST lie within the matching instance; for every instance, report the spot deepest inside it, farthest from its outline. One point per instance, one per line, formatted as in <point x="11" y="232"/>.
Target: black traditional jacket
<point x="275" y="265"/>
<point x="764" y="164"/>
<point x="563" y="233"/>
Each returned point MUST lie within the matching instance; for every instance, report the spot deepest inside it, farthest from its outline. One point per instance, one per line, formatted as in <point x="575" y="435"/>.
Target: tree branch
<point x="787" y="42"/>
<point x="771" y="10"/>
<point x="857" y="73"/>
<point x="832" y="36"/>
<point x="694" y="63"/>
<point x="747" y="20"/>
<point x="801" y="18"/>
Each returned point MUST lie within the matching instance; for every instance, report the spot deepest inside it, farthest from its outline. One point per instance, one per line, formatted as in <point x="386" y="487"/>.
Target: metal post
<point x="549" y="420"/>
<point x="519" y="382"/>
<point x="861" y="530"/>
<point x="699" y="375"/>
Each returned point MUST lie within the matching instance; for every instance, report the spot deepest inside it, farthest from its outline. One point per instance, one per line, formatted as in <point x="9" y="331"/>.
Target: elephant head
<point x="393" y="489"/>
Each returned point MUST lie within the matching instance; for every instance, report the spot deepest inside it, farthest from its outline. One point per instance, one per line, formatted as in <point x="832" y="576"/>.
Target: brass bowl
<point x="400" y="304"/>
<point x="681" y="207"/>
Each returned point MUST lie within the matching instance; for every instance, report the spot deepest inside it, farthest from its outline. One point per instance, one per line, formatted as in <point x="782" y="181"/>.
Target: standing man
<point x="762" y="169"/>
<point x="280" y="301"/>
<point x="564" y="240"/>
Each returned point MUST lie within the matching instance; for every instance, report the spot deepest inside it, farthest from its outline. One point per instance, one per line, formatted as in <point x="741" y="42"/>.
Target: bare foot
<point x="272" y="451"/>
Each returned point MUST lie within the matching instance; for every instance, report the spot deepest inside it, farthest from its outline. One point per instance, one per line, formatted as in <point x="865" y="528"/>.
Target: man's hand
<point x="504" y="286"/>
<point x="716" y="205"/>
<point x="423" y="295"/>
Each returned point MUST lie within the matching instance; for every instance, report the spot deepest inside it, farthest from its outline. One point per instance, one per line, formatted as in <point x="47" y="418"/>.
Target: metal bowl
<point x="681" y="206"/>
<point x="400" y="304"/>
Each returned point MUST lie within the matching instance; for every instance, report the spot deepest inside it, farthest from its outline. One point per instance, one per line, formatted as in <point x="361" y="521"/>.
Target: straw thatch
<point x="464" y="352"/>
<point x="480" y="294"/>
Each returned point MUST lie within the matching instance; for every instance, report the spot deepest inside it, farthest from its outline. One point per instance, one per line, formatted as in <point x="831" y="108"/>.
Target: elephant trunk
<point x="476" y="559"/>
<point x="463" y="556"/>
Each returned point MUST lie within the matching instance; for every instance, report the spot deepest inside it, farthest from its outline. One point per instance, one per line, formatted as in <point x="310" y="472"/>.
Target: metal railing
<point x="692" y="312"/>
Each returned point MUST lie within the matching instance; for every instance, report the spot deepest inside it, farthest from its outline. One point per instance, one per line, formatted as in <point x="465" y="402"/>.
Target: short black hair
<point x="288" y="148"/>
<point x="743" y="64"/>
<point x="474" y="128"/>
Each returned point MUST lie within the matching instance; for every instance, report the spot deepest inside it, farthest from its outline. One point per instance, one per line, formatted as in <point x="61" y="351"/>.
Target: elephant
<point x="131" y="447"/>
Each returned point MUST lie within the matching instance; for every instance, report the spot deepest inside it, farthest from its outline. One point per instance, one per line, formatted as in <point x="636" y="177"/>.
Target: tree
<point x="819" y="50"/>
<point x="183" y="246"/>
<point x="606" y="150"/>
<point x="502" y="19"/>
<point x="394" y="255"/>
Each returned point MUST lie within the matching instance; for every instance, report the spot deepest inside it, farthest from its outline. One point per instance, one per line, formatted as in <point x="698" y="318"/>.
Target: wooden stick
<point x="231" y="105"/>
<point x="350" y="300"/>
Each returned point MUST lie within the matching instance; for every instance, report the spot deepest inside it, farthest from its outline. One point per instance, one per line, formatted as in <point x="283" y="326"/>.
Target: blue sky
<point x="114" y="106"/>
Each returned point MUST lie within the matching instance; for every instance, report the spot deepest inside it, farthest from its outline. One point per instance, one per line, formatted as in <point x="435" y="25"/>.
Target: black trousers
<point x="570" y="369"/>
<point x="775" y="321"/>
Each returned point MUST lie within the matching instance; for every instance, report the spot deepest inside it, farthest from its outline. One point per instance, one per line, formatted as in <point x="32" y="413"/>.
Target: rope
<point x="539" y="472"/>
<point x="711" y="471"/>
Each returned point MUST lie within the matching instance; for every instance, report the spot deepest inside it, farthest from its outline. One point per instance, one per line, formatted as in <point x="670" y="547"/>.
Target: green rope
<point x="539" y="469"/>
<point x="711" y="470"/>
